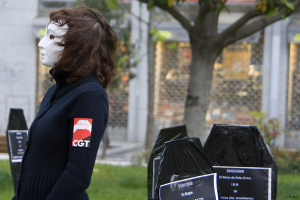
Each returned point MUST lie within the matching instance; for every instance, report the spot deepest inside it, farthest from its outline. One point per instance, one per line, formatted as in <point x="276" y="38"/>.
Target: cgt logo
<point x="81" y="143"/>
<point x="82" y="132"/>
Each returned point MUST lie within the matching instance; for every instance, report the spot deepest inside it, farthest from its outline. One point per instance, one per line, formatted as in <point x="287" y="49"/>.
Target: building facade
<point x="258" y="73"/>
<point x="18" y="59"/>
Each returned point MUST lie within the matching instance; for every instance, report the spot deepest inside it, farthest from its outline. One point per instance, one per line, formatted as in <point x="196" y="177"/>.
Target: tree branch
<point x="238" y="24"/>
<point x="204" y="7"/>
<point x="139" y="18"/>
<point x="185" y="23"/>
<point x="201" y="15"/>
<point x="257" y="24"/>
<point x="208" y="5"/>
<point x="134" y="15"/>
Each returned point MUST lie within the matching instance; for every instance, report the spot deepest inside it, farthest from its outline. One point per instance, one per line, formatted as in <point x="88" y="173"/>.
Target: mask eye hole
<point x="52" y="37"/>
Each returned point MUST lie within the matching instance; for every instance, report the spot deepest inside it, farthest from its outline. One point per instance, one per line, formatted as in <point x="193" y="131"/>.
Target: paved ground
<point x="118" y="153"/>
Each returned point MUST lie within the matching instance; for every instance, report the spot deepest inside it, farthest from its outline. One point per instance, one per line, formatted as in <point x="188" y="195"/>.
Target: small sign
<point x="248" y="183"/>
<point x="17" y="141"/>
<point x="196" y="188"/>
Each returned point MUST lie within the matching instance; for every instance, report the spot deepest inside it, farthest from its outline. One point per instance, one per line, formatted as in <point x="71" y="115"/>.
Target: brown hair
<point x="89" y="44"/>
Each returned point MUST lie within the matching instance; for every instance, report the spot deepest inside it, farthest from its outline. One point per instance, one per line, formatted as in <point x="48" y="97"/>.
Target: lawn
<point x="108" y="182"/>
<point x="130" y="183"/>
<point x="288" y="185"/>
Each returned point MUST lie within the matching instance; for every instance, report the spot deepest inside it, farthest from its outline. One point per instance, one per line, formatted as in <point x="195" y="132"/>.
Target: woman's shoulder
<point x="92" y="87"/>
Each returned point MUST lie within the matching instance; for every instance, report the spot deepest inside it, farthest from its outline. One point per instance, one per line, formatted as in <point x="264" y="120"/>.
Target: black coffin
<point x="165" y="135"/>
<point x="238" y="145"/>
<point x="181" y="159"/>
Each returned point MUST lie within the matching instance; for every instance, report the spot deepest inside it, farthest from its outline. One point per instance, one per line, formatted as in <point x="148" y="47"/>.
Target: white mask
<point x="49" y="49"/>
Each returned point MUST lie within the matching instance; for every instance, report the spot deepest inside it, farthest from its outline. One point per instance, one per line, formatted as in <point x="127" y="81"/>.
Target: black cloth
<point x="52" y="168"/>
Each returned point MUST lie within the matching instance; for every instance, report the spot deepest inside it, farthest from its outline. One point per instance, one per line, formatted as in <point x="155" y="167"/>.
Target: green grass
<point x="130" y="183"/>
<point x="288" y="184"/>
<point x="108" y="182"/>
<point x="6" y="185"/>
<point x="118" y="183"/>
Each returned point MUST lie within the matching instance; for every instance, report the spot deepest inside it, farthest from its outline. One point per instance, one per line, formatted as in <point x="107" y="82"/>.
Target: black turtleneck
<point x="58" y="164"/>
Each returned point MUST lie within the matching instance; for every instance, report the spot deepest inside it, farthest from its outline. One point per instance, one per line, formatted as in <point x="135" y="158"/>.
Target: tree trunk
<point x="204" y="50"/>
<point x="104" y="143"/>
<point x="151" y="69"/>
<point x="197" y="100"/>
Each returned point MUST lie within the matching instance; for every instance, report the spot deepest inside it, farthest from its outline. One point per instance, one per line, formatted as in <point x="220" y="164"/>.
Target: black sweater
<point x="60" y="155"/>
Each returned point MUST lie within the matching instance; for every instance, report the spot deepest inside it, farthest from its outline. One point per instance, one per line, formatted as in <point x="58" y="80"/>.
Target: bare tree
<point x="151" y="70"/>
<point x="207" y="43"/>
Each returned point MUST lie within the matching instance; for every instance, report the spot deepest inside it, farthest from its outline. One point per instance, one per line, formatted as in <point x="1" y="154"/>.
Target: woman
<point x="64" y="138"/>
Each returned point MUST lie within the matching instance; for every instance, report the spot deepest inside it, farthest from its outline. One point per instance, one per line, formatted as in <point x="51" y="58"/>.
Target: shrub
<point x="288" y="161"/>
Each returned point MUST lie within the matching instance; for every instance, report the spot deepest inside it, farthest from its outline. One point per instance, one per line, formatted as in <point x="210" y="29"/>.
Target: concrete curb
<point x="118" y="163"/>
<point x="4" y="156"/>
